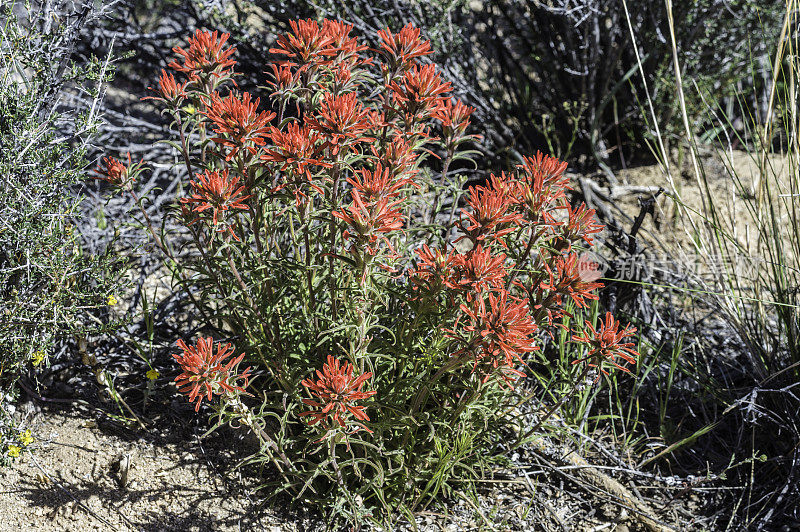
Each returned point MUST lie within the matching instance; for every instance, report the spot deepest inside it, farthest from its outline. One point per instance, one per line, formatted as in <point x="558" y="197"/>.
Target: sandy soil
<point x="735" y="210"/>
<point x="79" y="477"/>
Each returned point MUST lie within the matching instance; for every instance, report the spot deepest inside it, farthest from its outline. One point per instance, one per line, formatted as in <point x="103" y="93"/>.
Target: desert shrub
<point x="568" y="73"/>
<point x="48" y="285"/>
<point x="387" y="322"/>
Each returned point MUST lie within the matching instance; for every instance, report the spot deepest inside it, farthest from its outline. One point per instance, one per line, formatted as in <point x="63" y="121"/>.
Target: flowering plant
<point x="387" y="329"/>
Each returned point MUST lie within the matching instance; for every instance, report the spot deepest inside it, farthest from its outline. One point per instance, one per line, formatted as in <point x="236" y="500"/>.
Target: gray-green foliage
<point x="48" y="284"/>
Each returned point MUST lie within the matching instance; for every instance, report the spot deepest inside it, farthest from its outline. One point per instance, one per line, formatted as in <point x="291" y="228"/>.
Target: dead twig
<point x="621" y="495"/>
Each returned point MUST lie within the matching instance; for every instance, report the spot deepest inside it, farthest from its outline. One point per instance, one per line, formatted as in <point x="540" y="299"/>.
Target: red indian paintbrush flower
<point x="342" y="121"/>
<point x="206" y="56"/>
<point x="608" y="344"/>
<point x="284" y="80"/>
<point x="307" y="44"/>
<point x="398" y="154"/>
<point x="478" y="271"/>
<point x="374" y="184"/>
<point x="342" y="79"/>
<point x="403" y="48"/>
<point x="239" y="120"/>
<point x="345" y="46"/>
<point x="541" y="185"/>
<point x="217" y="192"/>
<point x="206" y="373"/>
<point x="580" y="226"/>
<point x="569" y="280"/>
<point x="297" y="150"/>
<point x="434" y="270"/>
<point x="336" y="391"/>
<point x="549" y="169"/>
<point x="491" y="211"/>
<point x="454" y="117"/>
<point x="170" y="92"/>
<point x="115" y="172"/>
<point x="502" y="332"/>
<point x="369" y="221"/>
<point x="419" y="92"/>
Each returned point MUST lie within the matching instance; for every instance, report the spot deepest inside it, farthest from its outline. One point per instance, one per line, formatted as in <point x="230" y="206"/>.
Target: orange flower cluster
<point x="455" y="117"/>
<point x="205" y="373"/>
<point x="419" y="93"/>
<point x="402" y="49"/>
<point x="207" y="59"/>
<point x="494" y="327"/>
<point x="566" y="279"/>
<point x="219" y="193"/>
<point x="342" y="121"/>
<point x="491" y="213"/>
<point x="370" y="216"/>
<point x="336" y="391"/>
<point x="502" y="332"/>
<point x="541" y="187"/>
<point x="608" y="344"/>
<point x="115" y="172"/>
<point x="118" y="174"/>
<point x="511" y="222"/>
<point x="298" y="151"/>
<point x="478" y="271"/>
<point x="170" y="91"/>
<point x="238" y="122"/>
<point x="309" y="44"/>
<point x="434" y="272"/>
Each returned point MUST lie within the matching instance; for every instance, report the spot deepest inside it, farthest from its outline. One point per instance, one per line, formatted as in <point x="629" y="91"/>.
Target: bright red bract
<point x="205" y="373"/>
<point x="336" y="391"/>
<point x="609" y="344"/>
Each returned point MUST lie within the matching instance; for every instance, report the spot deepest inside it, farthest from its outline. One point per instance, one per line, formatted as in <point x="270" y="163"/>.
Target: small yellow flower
<point x="38" y="357"/>
<point x="26" y="438"/>
<point x="152" y="374"/>
<point x="112" y="301"/>
<point x="14" y="450"/>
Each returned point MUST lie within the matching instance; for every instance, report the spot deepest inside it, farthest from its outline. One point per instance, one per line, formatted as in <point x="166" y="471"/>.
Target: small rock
<point x="122" y="468"/>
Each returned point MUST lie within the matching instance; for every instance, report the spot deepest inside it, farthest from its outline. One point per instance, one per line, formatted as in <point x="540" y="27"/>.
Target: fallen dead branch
<point x="619" y="494"/>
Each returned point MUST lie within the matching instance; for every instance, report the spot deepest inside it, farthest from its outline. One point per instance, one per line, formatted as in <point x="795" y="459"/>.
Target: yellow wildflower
<point x="112" y="301"/>
<point x="152" y="374"/>
<point x="37" y="357"/>
<point x="26" y="438"/>
<point x="14" y="450"/>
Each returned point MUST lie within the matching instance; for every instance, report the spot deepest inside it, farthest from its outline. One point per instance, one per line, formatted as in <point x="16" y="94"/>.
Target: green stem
<point x="306" y="219"/>
<point x="249" y="419"/>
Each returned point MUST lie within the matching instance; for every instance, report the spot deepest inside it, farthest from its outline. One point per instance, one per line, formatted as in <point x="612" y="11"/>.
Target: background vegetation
<point x="51" y="286"/>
